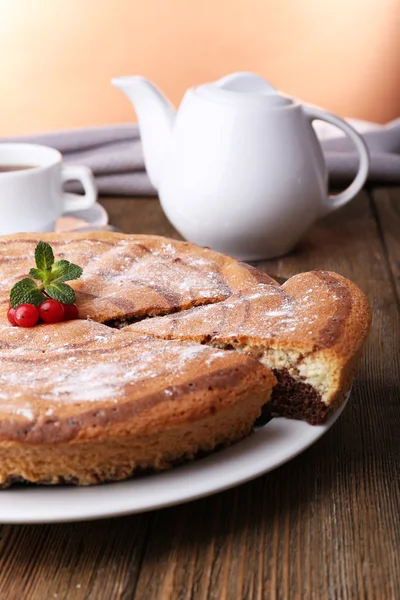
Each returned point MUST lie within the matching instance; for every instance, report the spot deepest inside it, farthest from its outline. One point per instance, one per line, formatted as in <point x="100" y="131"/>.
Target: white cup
<point x="32" y="199"/>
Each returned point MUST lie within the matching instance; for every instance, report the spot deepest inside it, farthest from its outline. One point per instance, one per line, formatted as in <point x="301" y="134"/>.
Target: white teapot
<point x="238" y="167"/>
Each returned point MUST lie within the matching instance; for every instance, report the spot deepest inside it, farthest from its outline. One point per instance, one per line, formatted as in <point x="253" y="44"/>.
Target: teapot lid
<point x="243" y="88"/>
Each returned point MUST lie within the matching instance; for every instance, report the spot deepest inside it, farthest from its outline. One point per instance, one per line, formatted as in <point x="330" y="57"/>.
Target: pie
<point x="177" y="350"/>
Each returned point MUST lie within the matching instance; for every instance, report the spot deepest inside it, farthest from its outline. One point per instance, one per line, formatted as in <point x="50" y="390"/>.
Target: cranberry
<point x="51" y="311"/>
<point x="26" y="315"/>
<point x="11" y="315"/>
<point x="71" y="311"/>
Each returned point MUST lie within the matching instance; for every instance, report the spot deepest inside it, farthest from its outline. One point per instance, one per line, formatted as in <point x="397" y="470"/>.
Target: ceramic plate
<point x="269" y="447"/>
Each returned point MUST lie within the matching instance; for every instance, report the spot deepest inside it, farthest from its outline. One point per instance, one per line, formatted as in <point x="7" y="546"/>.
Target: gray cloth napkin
<point x="384" y="148"/>
<point x="114" y="154"/>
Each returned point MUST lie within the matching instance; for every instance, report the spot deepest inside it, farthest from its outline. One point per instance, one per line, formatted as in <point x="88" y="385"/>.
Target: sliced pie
<point x="310" y="332"/>
<point x="210" y="339"/>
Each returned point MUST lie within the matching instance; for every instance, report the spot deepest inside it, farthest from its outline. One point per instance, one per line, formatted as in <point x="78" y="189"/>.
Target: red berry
<point x="51" y="311"/>
<point x="11" y="315"/>
<point x="26" y="315"/>
<point x="71" y="311"/>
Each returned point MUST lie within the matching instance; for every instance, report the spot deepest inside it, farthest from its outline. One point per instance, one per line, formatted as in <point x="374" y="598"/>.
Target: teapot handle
<point x="335" y="201"/>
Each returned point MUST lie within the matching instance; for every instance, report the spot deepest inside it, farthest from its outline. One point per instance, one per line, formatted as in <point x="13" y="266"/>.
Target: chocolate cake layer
<point x="295" y="399"/>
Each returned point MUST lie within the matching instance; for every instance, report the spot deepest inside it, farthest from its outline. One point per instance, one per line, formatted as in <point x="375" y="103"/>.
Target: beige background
<point x="57" y="56"/>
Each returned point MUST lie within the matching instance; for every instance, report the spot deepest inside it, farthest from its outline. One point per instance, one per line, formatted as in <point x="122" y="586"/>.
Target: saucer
<point x="95" y="216"/>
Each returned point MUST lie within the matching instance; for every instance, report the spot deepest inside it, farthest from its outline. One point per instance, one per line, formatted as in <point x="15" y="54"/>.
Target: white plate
<point x="268" y="448"/>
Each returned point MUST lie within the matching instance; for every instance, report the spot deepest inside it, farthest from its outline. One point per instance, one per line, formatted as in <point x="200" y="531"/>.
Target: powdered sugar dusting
<point x="266" y="312"/>
<point x="84" y="362"/>
<point x="143" y="273"/>
<point x="24" y="410"/>
<point x="103" y="372"/>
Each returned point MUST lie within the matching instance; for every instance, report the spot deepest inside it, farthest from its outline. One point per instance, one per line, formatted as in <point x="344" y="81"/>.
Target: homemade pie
<point x="176" y="352"/>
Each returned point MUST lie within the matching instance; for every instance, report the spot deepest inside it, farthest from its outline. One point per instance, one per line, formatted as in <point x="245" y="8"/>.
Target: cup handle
<point x="335" y="201"/>
<point x="76" y="202"/>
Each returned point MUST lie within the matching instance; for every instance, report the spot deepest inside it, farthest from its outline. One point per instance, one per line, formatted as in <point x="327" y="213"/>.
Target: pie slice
<point x="83" y="403"/>
<point x="126" y="277"/>
<point x="309" y="332"/>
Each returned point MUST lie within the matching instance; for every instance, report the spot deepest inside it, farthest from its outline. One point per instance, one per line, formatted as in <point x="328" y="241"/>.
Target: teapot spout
<point x="156" y="119"/>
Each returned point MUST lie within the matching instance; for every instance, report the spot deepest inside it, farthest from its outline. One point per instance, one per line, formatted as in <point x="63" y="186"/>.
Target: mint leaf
<point x="58" y="268"/>
<point x="63" y="270"/>
<point x="61" y="292"/>
<point x="26" y="291"/>
<point x="37" y="274"/>
<point x="50" y="278"/>
<point x="44" y="256"/>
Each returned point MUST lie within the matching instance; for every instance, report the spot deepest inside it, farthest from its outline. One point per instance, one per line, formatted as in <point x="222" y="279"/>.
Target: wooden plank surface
<point x="325" y="525"/>
<point x="386" y="206"/>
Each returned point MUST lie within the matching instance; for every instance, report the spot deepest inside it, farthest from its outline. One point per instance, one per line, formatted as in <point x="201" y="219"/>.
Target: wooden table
<point x="325" y="526"/>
